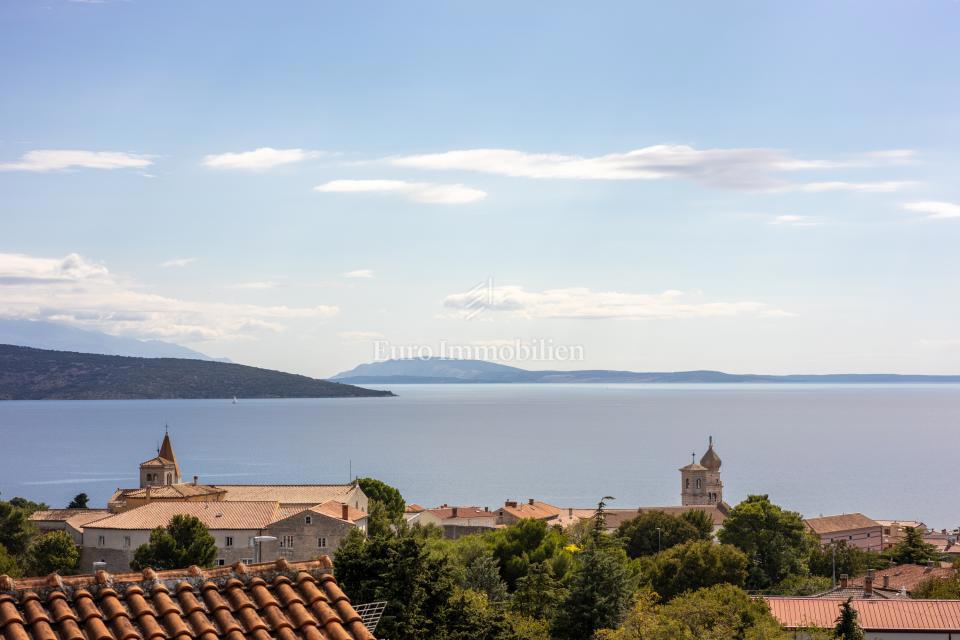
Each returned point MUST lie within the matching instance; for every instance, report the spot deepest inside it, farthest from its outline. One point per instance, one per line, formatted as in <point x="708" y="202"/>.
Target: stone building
<point x="700" y="484"/>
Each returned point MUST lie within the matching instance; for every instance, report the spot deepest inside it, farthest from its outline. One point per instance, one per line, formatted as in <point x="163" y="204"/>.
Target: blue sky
<point x="753" y="187"/>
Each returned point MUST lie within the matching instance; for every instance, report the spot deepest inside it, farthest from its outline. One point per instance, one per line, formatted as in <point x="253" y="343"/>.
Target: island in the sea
<point x="41" y="374"/>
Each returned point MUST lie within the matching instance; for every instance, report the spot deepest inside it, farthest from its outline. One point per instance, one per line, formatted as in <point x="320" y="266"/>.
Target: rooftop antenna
<point x="693" y="457"/>
<point x="350" y="479"/>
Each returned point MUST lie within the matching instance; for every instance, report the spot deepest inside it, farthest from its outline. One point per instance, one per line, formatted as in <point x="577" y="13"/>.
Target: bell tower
<point x="163" y="469"/>
<point x="700" y="483"/>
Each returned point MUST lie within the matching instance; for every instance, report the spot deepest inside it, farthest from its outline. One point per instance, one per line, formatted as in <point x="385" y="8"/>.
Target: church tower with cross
<point x="700" y="483"/>
<point x="162" y="469"/>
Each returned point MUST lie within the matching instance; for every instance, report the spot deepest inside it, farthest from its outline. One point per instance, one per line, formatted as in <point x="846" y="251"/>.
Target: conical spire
<point x="166" y="451"/>
<point x="710" y="459"/>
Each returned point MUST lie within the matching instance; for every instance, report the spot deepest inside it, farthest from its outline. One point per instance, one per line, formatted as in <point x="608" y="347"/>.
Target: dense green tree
<point x="28" y="505"/>
<point x="938" y="589"/>
<point x="379" y="521"/>
<point x="912" y="549"/>
<point x="483" y="576"/>
<point x="389" y="497"/>
<point x="9" y="565"/>
<point x="539" y="593"/>
<point x="417" y="585"/>
<point x="52" y="552"/>
<point x="800" y="585"/>
<point x="79" y="501"/>
<point x="526" y="543"/>
<point x="850" y="559"/>
<point x="15" y="529"/>
<point x="599" y="595"/>
<point x="694" y="565"/>
<point x="847" y="627"/>
<point x="182" y="543"/>
<point x="721" y="612"/>
<point x="775" y="541"/>
<point x="701" y="521"/>
<point x="654" y="531"/>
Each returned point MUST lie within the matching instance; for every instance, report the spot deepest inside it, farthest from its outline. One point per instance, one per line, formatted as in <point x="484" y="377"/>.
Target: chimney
<point x="570" y="512"/>
<point x="844" y="580"/>
<point x="455" y="511"/>
<point x="868" y="583"/>
<point x="530" y="502"/>
<point x="886" y="581"/>
<point x="929" y="564"/>
<point x="487" y="509"/>
<point x="345" y="512"/>
<point x="195" y="479"/>
<point x="510" y="503"/>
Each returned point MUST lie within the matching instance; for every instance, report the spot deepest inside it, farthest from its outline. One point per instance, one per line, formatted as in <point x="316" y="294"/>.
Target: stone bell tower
<point x="700" y="484"/>
<point x="163" y="469"/>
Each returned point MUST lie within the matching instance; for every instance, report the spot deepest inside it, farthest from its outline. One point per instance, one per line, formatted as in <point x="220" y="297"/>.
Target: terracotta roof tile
<point x="284" y="601"/>
<point x="873" y="615"/>
<point x="215" y="515"/>
<point x="907" y="576"/>
<point x="287" y="493"/>
<point x="846" y="522"/>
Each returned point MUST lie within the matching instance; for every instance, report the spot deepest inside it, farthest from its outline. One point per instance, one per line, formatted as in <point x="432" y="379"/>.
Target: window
<point x="322" y="542"/>
<point x="286" y="553"/>
<point x="246" y="560"/>
<point x="126" y="542"/>
<point x="220" y="562"/>
<point x="688" y="483"/>
<point x="698" y="483"/>
<point x="308" y="519"/>
<point x="286" y="542"/>
<point x="101" y="541"/>
<point x="228" y="541"/>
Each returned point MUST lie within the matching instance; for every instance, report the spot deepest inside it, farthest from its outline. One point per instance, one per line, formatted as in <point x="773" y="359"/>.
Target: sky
<point x="306" y="186"/>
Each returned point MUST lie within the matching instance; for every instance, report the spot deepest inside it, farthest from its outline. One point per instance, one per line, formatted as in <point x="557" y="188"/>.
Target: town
<point x="884" y="570"/>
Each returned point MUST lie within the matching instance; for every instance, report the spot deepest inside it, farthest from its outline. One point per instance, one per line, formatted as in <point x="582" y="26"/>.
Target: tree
<point x="775" y="541"/>
<point x="389" y="497"/>
<point x="849" y="559"/>
<point x="483" y="576"/>
<point x="654" y="531"/>
<point x="600" y="591"/>
<point x="694" y="565"/>
<point x="701" y="521"/>
<point x="938" y="589"/>
<point x="28" y="505"/>
<point x="52" y="552"/>
<point x="847" y="627"/>
<point x="9" y="565"/>
<point x="79" y="501"/>
<point x="182" y="543"/>
<point x="15" y="529"/>
<point x="797" y="585"/>
<point x="526" y="543"/>
<point x="912" y="549"/>
<point x="538" y="593"/>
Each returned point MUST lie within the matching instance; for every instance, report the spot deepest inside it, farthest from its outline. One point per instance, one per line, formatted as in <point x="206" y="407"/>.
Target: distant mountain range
<point x="443" y="371"/>
<point x="61" y="337"/>
<point x="38" y="374"/>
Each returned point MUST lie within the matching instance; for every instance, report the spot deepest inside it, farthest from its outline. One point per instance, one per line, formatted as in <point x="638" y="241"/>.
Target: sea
<point x="888" y="451"/>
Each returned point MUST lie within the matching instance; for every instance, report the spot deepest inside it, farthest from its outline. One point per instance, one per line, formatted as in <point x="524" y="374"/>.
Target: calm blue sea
<point x="889" y="451"/>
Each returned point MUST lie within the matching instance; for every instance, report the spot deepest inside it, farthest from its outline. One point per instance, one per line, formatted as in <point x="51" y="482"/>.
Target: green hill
<point x="39" y="374"/>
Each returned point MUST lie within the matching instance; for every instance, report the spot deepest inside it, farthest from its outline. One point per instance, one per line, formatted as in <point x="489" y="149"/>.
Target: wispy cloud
<point x="935" y="209"/>
<point x="796" y="221"/>
<point x="359" y="336"/>
<point x="258" y="159"/>
<point x="256" y="284"/>
<point x="583" y="303"/>
<point x="735" y="168"/>
<point x="77" y="291"/>
<point x="177" y="263"/>
<point x="866" y="187"/>
<point x="41" y="160"/>
<point x="359" y="273"/>
<point x="425" y="192"/>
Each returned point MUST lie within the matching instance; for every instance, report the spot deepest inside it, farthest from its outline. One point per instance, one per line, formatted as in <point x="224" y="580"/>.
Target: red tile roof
<point x="446" y="513"/>
<point x="531" y="509"/>
<point x="908" y="576"/>
<point x="215" y="515"/>
<point x="832" y="524"/>
<point x="873" y="615"/>
<point x="283" y="601"/>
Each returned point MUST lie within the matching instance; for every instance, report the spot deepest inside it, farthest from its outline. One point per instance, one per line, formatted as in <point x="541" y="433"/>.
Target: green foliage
<point x="526" y="543"/>
<point x="599" y="595"/>
<point x="701" y="521"/>
<point x="799" y="585"/>
<point x="694" y="565"/>
<point x="912" y="549"/>
<point x="721" y="612"/>
<point x="8" y="564"/>
<point x="850" y="560"/>
<point x="379" y="521"/>
<point x="15" y="529"/>
<point x="538" y="593"/>
<point x="847" y="627"/>
<point x="641" y="537"/>
<point x="483" y="576"/>
<point x="389" y="497"/>
<point x="28" y="505"/>
<point x="52" y="552"/>
<point x="775" y="541"/>
<point x="938" y="588"/>
<point x="182" y="543"/>
<point x="79" y="501"/>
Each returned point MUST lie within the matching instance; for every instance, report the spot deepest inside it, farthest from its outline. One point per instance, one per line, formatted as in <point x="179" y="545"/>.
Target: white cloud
<point x="737" y="168"/>
<point x="82" y="293"/>
<point x="867" y="187"/>
<point x="59" y="159"/>
<point x="256" y="284"/>
<point x="935" y="209"/>
<point x="583" y="303"/>
<point x="359" y="336"/>
<point x="796" y="221"/>
<point x="258" y="159"/>
<point x="176" y="263"/>
<point x="359" y="273"/>
<point x="426" y="192"/>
